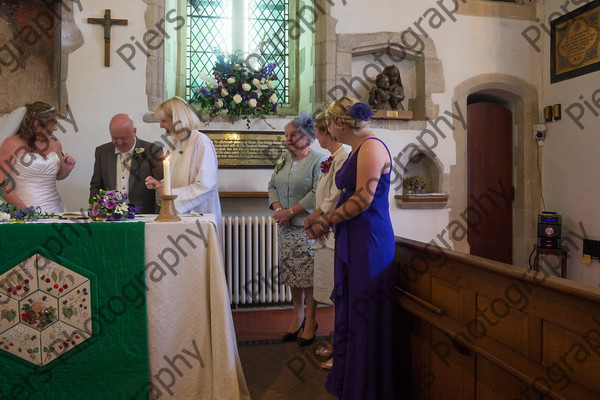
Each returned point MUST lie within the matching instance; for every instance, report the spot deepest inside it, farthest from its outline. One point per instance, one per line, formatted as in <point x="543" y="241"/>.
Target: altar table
<point x="192" y="347"/>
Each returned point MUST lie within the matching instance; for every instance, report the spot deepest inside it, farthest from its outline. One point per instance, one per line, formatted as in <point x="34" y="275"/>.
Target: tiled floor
<point x="284" y="371"/>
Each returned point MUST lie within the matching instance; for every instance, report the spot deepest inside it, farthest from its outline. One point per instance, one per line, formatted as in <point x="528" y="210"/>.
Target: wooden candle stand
<point x="168" y="213"/>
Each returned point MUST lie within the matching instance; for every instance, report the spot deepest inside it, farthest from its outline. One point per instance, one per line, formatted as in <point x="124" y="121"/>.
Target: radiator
<point x="251" y="261"/>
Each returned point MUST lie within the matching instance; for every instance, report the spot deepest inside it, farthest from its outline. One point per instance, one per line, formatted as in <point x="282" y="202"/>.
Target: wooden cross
<point x="107" y="23"/>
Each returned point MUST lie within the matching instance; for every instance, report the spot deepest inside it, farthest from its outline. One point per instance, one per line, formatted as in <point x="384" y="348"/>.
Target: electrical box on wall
<point x="591" y="248"/>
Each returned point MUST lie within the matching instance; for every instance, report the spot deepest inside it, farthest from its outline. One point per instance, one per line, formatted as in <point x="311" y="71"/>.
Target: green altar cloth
<point x="99" y="270"/>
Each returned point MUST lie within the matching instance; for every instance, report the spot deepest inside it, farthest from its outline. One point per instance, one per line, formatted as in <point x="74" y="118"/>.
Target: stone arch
<point x="523" y="98"/>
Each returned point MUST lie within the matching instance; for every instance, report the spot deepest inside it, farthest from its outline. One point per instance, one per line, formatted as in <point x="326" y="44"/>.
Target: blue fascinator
<point x="360" y="112"/>
<point x="305" y="121"/>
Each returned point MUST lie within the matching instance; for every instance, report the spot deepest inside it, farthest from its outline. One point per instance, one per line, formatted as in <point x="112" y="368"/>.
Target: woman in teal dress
<point x="364" y="357"/>
<point x="292" y="196"/>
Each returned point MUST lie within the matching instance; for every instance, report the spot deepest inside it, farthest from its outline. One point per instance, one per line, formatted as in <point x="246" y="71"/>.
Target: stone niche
<point x="360" y="57"/>
<point x="36" y="37"/>
<point x="419" y="161"/>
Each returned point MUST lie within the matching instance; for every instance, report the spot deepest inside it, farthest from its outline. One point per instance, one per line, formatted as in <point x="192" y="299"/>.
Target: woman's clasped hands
<point x="282" y="216"/>
<point x="316" y="226"/>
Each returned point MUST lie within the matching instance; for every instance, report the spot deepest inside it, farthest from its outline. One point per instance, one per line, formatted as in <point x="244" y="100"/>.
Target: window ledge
<point x="422" y="201"/>
<point x="275" y="123"/>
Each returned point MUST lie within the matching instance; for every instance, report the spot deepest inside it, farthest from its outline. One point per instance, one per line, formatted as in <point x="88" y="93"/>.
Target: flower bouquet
<point x="111" y="206"/>
<point x="238" y="90"/>
<point x="414" y="184"/>
<point x="10" y="213"/>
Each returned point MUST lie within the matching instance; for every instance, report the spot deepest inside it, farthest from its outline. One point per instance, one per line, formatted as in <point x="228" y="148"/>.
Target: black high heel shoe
<point x="305" y="342"/>
<point x="293" y="336"/>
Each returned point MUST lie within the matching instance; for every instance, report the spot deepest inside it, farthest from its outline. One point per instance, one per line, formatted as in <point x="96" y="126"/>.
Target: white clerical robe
<point x="194" y="176"/>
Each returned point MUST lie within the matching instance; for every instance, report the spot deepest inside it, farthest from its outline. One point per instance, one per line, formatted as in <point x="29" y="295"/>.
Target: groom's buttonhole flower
<point x="138" y="152"/>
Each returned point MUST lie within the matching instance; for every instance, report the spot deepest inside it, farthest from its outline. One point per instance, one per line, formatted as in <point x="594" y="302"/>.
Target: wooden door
<point x="489" y="181"/>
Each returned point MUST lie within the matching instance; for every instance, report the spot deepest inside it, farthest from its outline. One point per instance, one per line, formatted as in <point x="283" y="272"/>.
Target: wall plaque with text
<point x="246" y="149"/>
<point x="575" y="43"/>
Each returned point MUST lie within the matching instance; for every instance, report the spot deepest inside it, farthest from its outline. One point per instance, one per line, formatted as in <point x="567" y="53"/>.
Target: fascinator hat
<point x="305" y="122"/>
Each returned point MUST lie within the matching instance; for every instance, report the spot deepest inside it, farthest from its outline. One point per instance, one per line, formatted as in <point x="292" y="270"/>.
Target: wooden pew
<point x="481" y="329"/>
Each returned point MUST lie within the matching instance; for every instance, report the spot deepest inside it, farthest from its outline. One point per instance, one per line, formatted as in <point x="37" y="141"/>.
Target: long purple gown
<point x="365" y="310"/>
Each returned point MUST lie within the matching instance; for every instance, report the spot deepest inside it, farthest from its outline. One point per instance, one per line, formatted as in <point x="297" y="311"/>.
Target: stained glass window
<point x="253" y="26"/>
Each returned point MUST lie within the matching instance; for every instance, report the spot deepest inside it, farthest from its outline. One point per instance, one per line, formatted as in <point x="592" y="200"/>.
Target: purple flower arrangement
<point x="111" y="206"/>
<point x="237" y="90"/>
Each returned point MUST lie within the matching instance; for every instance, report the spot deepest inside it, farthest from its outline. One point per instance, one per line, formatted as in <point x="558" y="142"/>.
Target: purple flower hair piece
<point x="360" y="112"/>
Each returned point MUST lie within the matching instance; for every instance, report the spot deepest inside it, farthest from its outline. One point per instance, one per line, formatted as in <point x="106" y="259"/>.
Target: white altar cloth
<point x="191" y="338"/>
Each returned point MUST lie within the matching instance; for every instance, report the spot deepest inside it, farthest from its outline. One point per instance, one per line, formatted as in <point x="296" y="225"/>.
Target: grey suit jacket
<point x="149" y="163"/>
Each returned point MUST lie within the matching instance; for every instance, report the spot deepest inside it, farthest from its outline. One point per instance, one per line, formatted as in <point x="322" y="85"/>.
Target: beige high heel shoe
<point x="327" y="364"/>
<point x="326" y="351"/>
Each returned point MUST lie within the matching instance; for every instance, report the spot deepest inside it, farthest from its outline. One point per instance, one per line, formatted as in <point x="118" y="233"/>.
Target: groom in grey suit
<point x="125" y="162"/>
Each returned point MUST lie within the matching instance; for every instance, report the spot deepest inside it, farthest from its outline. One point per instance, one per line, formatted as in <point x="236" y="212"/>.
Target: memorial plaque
<point x="575" y="44"/>
<point x="259" y="150"/>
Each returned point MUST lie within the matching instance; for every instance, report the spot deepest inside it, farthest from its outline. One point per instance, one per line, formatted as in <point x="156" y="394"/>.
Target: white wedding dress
<point x="35" y="181"/>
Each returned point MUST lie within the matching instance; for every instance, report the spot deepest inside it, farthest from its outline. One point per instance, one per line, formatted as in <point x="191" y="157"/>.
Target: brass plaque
<point x="575" y="44"/>
<point x="246" y="149"/>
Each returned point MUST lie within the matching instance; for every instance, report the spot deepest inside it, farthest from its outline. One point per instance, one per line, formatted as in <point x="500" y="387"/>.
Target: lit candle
<point x="167" y="176"/>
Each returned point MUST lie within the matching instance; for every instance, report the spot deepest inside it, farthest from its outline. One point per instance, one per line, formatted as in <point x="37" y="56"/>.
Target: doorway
<point x="490" y="191"/>
<point x="522" y="99"/>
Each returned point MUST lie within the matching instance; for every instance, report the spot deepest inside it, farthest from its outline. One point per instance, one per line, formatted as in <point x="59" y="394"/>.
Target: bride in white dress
<point x="31" y="158"/>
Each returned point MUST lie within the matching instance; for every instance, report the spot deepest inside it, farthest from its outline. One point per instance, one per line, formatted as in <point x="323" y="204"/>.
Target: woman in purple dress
<point x="365" y="310"/>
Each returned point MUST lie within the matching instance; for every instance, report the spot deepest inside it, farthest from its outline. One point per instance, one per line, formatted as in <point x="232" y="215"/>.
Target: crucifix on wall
<point x="107" y="22"/>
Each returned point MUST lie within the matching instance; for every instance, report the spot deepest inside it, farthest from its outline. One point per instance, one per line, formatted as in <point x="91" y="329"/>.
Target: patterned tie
<point x="125" y="161"/>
